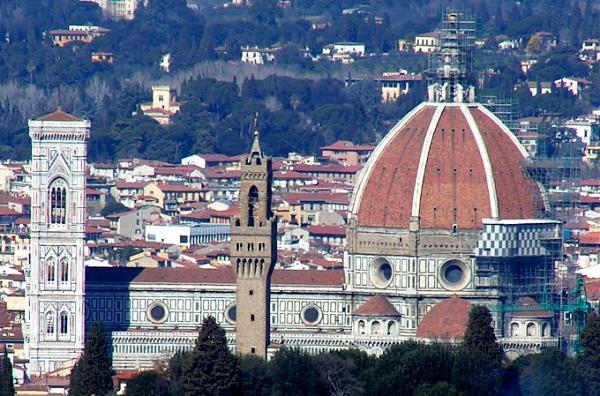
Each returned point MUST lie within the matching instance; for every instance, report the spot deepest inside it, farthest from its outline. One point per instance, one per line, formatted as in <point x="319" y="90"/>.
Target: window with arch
<point x="50" y="323"/>
<point x="50" y="270"/>
<point x="58" y="201"/>
<point x="361" y="327"/>
<point x="64" y="323"/>
<point x="376" y="327"/>
<point x="545" y="330"/>
<point x="515" y="329"/>
<point x="531" y="330"/>
<point x="64" y="270"/>
<point x="252" y="204"/>
<point x="392" y="327"/>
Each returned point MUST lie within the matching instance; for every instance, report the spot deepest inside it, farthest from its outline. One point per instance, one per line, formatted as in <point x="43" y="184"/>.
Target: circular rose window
<point x="454" y="275"/>
<point x="381" y="272"/>
<point x="231" y="313"/>
<point x="311" y="315"/>
<point x="157" y="312"/>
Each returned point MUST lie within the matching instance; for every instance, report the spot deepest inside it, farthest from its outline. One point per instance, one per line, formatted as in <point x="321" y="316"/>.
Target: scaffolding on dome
<point x="506" y="109"/>
<point x="448" y="66"/>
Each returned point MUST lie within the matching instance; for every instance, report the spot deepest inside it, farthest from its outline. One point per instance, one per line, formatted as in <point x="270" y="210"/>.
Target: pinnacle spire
<point x="256" y="150"/>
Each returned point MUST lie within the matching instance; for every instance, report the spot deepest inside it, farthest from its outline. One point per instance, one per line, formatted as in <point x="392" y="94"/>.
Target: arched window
<point x="361" y="327"/>
<point x="58" y="201"/>
<point x="50" y="323"/>
<point x="64" y="270"/>
<point x="545" y="330"/>
<point x="252" y="204"/>
<point x="64" y="323"/>
<point x="50" y="270"/>
<point x="376" y="327"/>
<point x="531" y="330"/>
<point x="392" y="327"/>
<point x="515" y="330"/>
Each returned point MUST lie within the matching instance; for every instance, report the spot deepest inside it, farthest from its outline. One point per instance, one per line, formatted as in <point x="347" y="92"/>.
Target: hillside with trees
<point x="303" y="104"/>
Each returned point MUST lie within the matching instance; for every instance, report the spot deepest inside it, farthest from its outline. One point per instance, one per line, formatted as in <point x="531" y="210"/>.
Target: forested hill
<point x="303" y="104"/>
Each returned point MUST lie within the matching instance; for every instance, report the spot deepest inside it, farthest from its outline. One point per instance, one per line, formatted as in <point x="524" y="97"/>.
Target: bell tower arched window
<point x="50" y="323"/>
<point x="64" y="270"/>
<point x="64" y="323"/>
<point x="58" y="201"/>
<point x="252" y="204"/>
<point x="50" y="270"/>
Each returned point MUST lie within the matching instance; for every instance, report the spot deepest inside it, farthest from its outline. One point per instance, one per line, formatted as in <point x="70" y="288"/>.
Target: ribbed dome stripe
<point x="365" y="173"/>
<point x="416" y="203"/>
<point x="487" y="165"/>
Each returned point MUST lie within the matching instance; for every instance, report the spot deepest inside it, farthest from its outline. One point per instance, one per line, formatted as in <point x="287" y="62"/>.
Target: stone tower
<point x="254" y="252"/>
<point x="56" y="274"/>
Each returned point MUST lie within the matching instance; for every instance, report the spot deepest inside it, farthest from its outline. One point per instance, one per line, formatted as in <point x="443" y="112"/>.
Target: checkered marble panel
<point x="510" y="239"/>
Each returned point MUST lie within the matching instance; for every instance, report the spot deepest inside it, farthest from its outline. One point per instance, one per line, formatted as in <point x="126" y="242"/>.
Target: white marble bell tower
<point x="54" y="330"/>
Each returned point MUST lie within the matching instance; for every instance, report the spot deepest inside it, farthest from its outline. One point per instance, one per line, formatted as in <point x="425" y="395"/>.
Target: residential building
<point x="573" y="84"/>
<point x="76" y="33"/>
<point x="118" y="9"/>
<point x="539" y="88"/>
<point x="170" y="197"/>
<point x="344" y="51"/>
<point x="347" y="153"/>
<point x="187" y="235"/>
<point x="258" y="56"/>
<point x="103" y="57"/>
<point x="396" y="84"/>
<point x="426" y="42"/>
<point x="586" y="129"/>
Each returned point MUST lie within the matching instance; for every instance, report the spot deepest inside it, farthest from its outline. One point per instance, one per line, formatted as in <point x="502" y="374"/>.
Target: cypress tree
<point x="210" y="368"/>
<point x="480" y="336"/>
<point x="92" y="374"/>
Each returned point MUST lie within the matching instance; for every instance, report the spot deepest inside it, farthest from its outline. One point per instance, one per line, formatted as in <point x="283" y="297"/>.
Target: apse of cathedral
<point x="442" y="218"/>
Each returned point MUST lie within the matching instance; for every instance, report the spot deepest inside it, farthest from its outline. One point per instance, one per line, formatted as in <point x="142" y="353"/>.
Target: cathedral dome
<point x="448" y="164"/>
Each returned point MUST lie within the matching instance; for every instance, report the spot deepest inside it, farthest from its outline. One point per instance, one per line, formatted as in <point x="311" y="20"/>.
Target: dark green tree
<point x="480" y="336"/>
<point x="210" y="368"/>
<point x="148" y="383"/>
<point x="550" y="373"/>
<point x="589" y="361"/>
<point x="175" y="372"/>
<point x="294" y="373"/>
<point x="92" y="374"/>
<point x="7" y="387"/>
<point x="438" y="389"/>
<point x="255" y="377"/>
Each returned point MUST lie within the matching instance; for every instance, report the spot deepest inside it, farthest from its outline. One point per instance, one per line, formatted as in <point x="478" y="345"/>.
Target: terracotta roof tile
<point x="58" y="115"/>
<point x="377" y="306"/>
<point x="206" y="276"/>
<point x="531" y="309"/>
<point x="447" y="320"/>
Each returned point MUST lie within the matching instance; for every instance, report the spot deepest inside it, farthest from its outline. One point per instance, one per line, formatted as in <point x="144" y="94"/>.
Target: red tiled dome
<point x="446" y="320"/>
<point x="530" y="309"/>
<point x="377" y="306"/>
<point x="446" y="163"/>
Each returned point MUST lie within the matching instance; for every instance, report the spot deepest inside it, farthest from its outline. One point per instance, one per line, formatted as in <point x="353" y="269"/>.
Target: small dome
<point x="446" y="320"/>
<point x="377" y="306"/>
<point x="446" y="164"/>
<point x="529" y="308"/>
